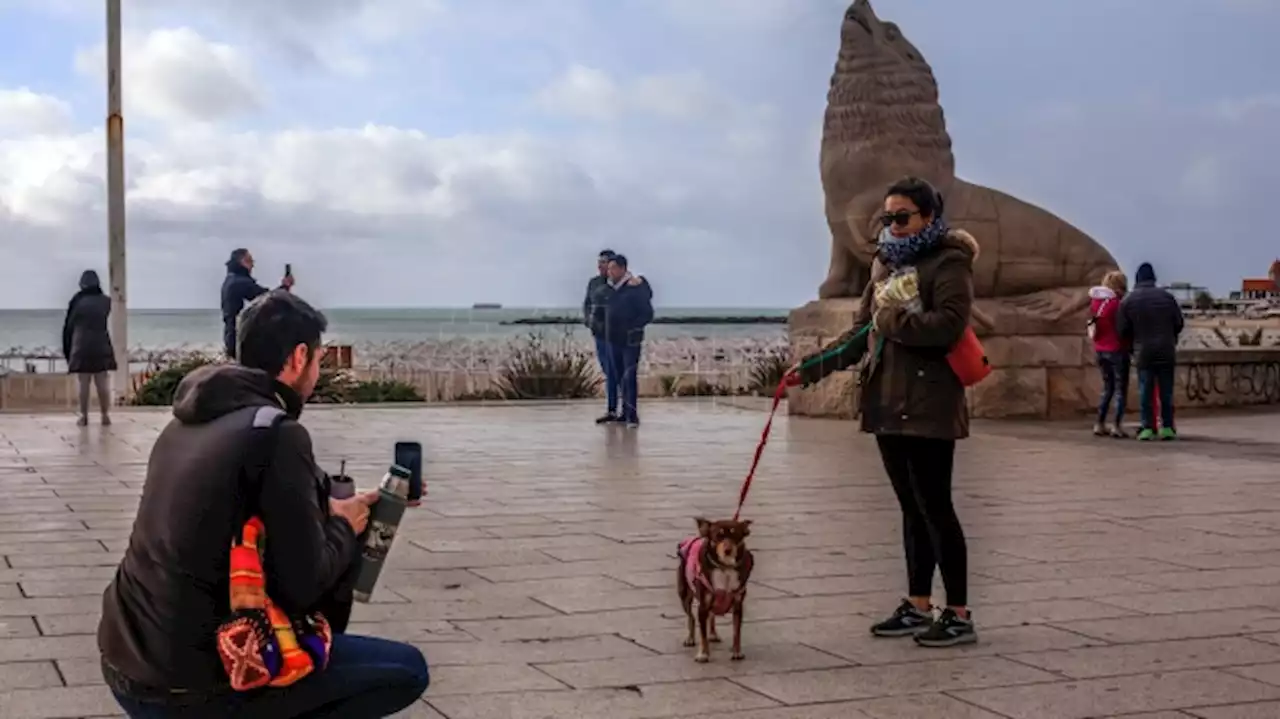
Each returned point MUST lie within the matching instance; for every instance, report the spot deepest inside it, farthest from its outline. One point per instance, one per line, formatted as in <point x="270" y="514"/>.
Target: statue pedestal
<point x="1042" y="376"/>
<point x="810" y="327"/>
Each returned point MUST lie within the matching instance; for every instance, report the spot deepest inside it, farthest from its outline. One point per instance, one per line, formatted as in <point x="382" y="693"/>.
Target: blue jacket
<point x="238" y="289"/>
<point x="629" y="311"/>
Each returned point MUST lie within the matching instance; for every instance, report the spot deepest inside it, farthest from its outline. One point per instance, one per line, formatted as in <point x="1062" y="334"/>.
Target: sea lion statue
<point x="883" y="122"/>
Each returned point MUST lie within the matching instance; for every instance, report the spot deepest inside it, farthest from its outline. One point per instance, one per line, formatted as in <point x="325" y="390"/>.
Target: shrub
<point x="768" y="369"/>
<point x="162" y="379"/>
<point x="337" y="386"/>
<point x="386" y="390"/>
<point x="484" y="395"/>
<point x="333" y="387"/>
<point x="538" y="370"/>
<point x="702" y="388"/>
<point x="670" y="384"/>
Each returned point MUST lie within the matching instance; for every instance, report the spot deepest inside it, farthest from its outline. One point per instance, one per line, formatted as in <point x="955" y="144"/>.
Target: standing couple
<point x="617" y="308"/>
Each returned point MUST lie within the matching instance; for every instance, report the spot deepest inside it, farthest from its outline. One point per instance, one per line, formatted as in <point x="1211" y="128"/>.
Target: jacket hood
<point x="963" y="241"/>
<point x="1146" y="274"/>
<point x="213" y="391"/>
<point x="1101" y="293"/>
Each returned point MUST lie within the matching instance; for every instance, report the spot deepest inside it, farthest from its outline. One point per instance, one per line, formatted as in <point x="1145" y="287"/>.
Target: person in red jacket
<point x="1113" y="352"/>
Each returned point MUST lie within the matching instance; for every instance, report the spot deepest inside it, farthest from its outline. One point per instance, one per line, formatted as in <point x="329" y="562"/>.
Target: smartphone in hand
<point x="409" y="456"/>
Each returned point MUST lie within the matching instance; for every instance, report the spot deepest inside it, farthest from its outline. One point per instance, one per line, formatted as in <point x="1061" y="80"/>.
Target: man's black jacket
<point x="1151" y="319"/>
<point x="160" y="613"/>
<point x="630" y="311"/>
<point x="238" y="289"/>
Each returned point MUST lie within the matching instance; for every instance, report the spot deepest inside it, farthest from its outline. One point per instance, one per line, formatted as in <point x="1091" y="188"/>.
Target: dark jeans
<point x="605" y="357"/>
<point x="1114" y="367"/>
<point x="920" y="470"/>
<point x="367" y="678"/>
<point x="626" y="367"/>
<point x="1161" y="376"/>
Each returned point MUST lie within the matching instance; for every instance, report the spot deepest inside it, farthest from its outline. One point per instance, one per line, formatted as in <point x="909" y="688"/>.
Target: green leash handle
<point x="823" y="357"/>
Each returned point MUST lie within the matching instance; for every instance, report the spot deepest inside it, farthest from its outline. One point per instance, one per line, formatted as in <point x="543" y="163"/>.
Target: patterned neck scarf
<point x="896" y="252"/>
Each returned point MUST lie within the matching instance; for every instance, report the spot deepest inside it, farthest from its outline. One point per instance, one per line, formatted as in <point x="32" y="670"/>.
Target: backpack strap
<point x="264" y="428"/>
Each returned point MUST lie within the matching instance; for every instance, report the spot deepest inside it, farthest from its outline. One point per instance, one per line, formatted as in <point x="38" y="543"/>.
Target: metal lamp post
<point x="115" y="204"/>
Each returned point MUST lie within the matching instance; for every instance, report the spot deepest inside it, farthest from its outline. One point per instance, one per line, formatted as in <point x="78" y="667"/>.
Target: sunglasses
<point x="899" y="218"/>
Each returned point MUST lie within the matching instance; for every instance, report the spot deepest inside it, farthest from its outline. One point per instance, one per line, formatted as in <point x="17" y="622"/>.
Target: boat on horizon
<point x="486" y="306"/>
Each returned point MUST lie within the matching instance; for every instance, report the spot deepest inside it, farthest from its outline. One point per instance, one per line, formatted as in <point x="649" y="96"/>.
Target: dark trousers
<point x="626" y="367"/>
<point x="604" y="356"/>
<point x="1114" y="367"/>
<point x="1152" y="379"/>
<point x="367" y="678"/>
<point x="920" y="470"/>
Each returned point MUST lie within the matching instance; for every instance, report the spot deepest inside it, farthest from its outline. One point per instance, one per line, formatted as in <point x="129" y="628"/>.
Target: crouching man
<point x="171" y="592"/>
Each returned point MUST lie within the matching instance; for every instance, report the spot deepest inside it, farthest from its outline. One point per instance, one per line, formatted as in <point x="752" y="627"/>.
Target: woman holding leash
<point x="914" y="311"/>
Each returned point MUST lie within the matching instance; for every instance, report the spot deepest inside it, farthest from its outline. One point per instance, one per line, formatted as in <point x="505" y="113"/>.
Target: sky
<point x="443" y="152"/>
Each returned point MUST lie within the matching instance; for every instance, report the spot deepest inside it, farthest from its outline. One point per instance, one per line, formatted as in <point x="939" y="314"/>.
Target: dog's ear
<point x="704" y="526"/>
<point x="746" y="528"/>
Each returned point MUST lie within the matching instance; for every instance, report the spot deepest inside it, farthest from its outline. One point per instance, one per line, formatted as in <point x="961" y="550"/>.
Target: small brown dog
<point x="714" y="568"/>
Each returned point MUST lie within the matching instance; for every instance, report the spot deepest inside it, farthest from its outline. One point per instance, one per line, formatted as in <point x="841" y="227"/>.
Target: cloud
<point x="24" y="112"/>
<point x="409" y="208"/>
<point x="177" y="76"/>
<point x="592" y="94"/>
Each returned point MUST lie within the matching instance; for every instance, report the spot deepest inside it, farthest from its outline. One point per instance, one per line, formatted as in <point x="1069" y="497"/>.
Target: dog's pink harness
<point x="721" y="599"/>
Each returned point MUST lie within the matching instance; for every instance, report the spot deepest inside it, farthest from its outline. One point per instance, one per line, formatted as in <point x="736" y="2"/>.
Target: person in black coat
<point x="239" y="289"/>
<point x="630" y="310"/>
<point x="86" y="344"/>
<point x="594" y="308"/>
<point x="1151" y="320"/>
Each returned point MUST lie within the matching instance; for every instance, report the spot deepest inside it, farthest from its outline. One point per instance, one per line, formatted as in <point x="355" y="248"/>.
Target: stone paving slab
<point x="1108" y="578"/>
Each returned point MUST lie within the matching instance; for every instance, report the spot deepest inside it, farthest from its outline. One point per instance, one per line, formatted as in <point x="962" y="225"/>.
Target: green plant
<point x="341" y="387"/>
<point x="670" y="384"/>
<point x="768" y="369"/>
<point x="386" y="390"/>
<point x="333" y="387"/>
<point x="539" y="370"/>
<point x="484" y="395"/>
<point x="702" y="388"/>
<point x="1204" y="301"/>
<point x="162" y="378"/>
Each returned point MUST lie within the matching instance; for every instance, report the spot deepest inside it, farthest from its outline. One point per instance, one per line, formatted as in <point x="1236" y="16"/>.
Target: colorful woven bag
<point x="259" y="644"/>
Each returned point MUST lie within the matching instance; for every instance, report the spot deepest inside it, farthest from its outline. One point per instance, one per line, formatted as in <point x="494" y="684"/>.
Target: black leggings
<point x="920" y="470"/>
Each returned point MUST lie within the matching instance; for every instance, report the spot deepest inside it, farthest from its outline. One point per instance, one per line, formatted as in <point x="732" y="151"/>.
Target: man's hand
<point x="354" y="509"/>
<point x="287" y="282"/>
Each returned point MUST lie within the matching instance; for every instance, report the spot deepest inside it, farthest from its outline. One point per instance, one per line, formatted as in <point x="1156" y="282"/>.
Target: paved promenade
<point x="1109" y="578"/>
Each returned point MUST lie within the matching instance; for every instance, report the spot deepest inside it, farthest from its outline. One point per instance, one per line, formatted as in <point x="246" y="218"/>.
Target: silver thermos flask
<point x="384" y="520"/>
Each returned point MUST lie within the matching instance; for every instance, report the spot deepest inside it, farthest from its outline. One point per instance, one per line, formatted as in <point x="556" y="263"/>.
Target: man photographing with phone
<point x="239" y="289"/>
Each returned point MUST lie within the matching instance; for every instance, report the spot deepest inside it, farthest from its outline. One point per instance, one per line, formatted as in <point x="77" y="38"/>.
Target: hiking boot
<point x="83" y="421"/>
<point x="1118" y="432"/>
<point x="1099" y="430"/>
<point x="1146" y="435"/>
<point x="607" y="418"/>
<point x="1167" y="434"/>
<point x="948" y="630"/>
<point x="106" y="420"/>
<point x="905" y="621"/>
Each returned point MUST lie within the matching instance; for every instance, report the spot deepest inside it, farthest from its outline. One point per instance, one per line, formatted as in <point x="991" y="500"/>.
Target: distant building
<point x="1262" y="289"/>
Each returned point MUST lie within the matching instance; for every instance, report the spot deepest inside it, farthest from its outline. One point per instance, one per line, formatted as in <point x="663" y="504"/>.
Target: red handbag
<point x="968" y="359"/>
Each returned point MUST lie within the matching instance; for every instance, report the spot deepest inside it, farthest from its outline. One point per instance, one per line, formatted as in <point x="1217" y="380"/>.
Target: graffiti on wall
<point x="1241" y="383"/>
